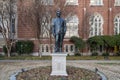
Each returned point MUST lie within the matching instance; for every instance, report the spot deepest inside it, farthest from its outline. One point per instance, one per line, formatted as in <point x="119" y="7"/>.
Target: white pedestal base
<point x="59" y="64"/>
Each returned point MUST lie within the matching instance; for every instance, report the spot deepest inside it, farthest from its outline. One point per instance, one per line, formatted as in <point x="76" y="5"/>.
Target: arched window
<point x="45" y="28"/>
<point x="42" y="48"/>
<point x="4" y="22"/>
<point x="117" y="3"/>
<point x="96" y="25"/>
<point x="66" y="48"/>
<point x="47" y="49"/>
<point x="48" y="2"/>
<point x="69" y="48"/>
<point x="117" y="24"/>
<point x="72" y="2"/>
<point x="96" y="2"/>
<point x="1" y="26"/>
<point x="72" y="26"/>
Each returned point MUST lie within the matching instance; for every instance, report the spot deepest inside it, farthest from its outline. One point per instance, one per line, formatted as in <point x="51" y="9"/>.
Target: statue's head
<point x="58" y="13"/>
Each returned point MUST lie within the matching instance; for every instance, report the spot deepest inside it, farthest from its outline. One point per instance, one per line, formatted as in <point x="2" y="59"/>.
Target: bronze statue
<point x="58" y="30"/>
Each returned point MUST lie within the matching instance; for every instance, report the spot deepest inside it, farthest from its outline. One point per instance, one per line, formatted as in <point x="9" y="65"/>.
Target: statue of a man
<point x="58" y="30"/>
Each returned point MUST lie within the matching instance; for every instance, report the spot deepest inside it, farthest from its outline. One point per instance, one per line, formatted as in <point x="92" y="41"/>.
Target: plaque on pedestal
<point x="59" y="64"/>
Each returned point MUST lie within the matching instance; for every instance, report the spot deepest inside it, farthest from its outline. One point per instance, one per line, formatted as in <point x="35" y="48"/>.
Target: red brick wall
<point x="108" y="17"/>
<point x="25" y="30"/>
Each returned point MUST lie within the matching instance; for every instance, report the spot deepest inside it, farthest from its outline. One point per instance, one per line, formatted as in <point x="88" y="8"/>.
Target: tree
<point x="117" y="43"/>
<point x="7" y="22"/>
<point x="95" y="42"/>
<point x="109" y="42"/>
<point x="79" y="43"/>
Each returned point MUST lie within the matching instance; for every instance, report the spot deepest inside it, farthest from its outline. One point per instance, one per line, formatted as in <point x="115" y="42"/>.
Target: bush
<point x="94" y="54"/>
<point x="13" y="49"/>
<point x="24" y="47"/>
<point x="68" y="54"/>
<point x="1" y="55"/>
<point x="105" y="54"/>
<point x="79" y="42"/>
<point x="77" y="54"/>
<point x="118" y="54"/>
<point x="4" y="49"/>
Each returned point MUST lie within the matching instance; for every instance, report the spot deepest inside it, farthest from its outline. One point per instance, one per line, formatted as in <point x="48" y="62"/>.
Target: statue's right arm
<point x="65" y="27"/>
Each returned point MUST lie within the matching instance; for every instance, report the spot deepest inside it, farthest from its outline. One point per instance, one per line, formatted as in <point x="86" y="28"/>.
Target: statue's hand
<point x="60" y="32"/>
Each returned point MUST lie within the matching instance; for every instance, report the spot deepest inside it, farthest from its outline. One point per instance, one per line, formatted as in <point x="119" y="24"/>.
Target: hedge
<point x="24" y="47"/>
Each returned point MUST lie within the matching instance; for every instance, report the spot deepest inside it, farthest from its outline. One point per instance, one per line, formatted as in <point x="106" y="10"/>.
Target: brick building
<point x="89" y="18"/>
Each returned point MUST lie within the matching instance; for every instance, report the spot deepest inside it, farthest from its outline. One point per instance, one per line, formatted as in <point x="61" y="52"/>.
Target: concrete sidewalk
<point x="110" y="68"/>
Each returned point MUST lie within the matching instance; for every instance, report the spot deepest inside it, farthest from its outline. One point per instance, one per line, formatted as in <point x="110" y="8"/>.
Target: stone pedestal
<point x="59" y="64"/>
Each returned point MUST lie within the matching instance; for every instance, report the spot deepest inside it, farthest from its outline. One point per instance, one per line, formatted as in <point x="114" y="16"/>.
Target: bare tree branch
<point x="7" y="11"/>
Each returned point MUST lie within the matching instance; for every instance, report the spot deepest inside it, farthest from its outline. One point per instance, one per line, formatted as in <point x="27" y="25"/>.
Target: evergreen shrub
<point x="24" y="47"/>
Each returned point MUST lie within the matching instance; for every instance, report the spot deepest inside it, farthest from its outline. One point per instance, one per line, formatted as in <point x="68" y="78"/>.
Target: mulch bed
<point x="43" y="73"/>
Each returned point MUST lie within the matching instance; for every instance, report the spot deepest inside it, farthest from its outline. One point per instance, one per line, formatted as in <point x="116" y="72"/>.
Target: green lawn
<point x="26" y="58"/>
<point x="85" y="58"/>
<point x="68" y="58"/>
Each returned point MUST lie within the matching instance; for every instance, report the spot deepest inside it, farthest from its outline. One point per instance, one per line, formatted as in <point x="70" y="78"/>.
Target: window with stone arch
<point x="69" y="48"/>
<point x="45" y="48"/>
<point x="48" y="2"/>
<point x="4" y="24"/>
<point x="117" y="24"/>
<point x="96" y="2"/>
<point x="0" y="26"/>
<point x="45" y="29"/>
<point x="117" y="3"/>
<point x="96" y="25"/>
<point x="72" y="2"/>
<point x="72" y="26"/>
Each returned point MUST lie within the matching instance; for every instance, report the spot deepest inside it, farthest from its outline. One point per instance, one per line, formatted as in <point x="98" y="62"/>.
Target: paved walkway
<point x="110" y="68"/>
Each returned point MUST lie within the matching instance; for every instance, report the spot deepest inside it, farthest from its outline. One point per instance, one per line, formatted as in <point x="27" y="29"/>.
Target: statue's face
<point x="58" y="13"/>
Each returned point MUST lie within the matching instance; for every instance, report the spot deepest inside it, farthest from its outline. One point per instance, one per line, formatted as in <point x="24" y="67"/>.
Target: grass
<point x="68" y="58"/>
<point x="25" y="58"/>
<point x="85" y="58"/>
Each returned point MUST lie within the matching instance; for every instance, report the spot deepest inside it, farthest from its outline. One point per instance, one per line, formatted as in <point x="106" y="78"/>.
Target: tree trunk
<point x="8" y="53"/>
<point x="8" y="50"/>
<point x="50" y="43"/>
